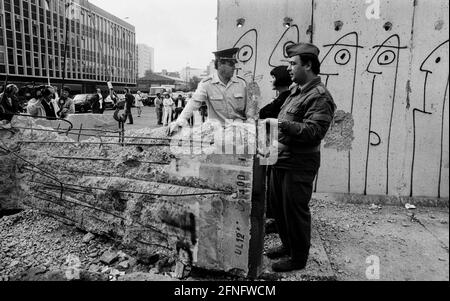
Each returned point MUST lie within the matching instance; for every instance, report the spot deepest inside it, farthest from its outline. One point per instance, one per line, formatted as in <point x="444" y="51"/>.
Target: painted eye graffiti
<point x="342" y="57"/>
<point x="245" y="54"/>
<point x="386" y="58"/>
<point x="290" y="43"/>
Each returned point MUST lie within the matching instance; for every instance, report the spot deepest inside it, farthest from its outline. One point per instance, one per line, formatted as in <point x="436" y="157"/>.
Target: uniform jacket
<point x="304" y="120"/>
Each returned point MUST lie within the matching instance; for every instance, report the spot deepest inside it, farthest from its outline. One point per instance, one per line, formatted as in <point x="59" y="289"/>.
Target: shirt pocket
<point x="239" y="101"/>
<point x="293" y="114"/>
<point x="218" y="103"/>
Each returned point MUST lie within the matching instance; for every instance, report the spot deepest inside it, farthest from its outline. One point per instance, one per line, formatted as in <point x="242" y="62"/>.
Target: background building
<point x="146" y="59"/>
<point x="189" y="73"/>
<point x="34" y="33"/>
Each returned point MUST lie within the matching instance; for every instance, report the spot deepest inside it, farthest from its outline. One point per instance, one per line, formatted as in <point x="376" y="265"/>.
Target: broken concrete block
<point x="124" y="264"/>
<point x="88" y="237"/>
<point x="214" y="203"/>
<point x="145" y="277"/>
<point x="109" y="257"/>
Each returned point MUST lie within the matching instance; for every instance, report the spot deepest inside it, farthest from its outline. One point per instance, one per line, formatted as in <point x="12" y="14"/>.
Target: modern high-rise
<point x="146" y="59"/>
<point x="34" y="35"/>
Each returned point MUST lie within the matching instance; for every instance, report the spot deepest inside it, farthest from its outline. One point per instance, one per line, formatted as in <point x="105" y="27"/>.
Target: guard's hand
<point x="173" y="128"/>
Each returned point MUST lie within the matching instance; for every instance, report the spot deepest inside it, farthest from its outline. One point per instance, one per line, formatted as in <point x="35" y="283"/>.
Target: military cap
<point x="302" y="48"/>
<point x="227" y="54"/>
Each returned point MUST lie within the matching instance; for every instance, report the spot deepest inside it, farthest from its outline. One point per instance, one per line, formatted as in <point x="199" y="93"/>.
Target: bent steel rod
<point x="138" y="193"/>
<point x="113" y="137"/>
<point x="91" y="143"/>
<point x="105" y="159"/>
<point x="89" y="206"/>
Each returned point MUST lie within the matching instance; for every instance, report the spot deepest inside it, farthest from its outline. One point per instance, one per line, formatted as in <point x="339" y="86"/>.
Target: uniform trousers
<point x="290" y="195"/>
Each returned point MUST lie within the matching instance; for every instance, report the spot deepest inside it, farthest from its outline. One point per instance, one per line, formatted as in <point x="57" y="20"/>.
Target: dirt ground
<point x="410" y="245"/>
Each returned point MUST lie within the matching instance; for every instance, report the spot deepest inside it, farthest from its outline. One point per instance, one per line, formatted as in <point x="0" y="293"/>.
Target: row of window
<point x="87" y="57"/>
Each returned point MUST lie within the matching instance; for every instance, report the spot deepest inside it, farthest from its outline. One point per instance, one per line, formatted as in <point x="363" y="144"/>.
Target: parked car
<point x="83" y="102"/>
<point x="109" y="103"/>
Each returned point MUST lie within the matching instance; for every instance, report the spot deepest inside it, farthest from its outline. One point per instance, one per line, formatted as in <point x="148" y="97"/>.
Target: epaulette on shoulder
<point x="241" y="78"/>
<point x="321" y="90"/>
<point x="208" y="79"/>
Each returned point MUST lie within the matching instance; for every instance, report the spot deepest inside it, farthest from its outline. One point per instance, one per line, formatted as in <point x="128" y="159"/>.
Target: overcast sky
<point x="182" y="32"/>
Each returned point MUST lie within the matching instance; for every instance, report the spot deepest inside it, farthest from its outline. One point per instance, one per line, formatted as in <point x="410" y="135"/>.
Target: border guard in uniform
<point x="225" y="94"/>
<point x="303" y="122"/>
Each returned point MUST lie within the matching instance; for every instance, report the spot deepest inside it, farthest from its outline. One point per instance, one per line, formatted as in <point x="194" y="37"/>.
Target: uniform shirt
<point x="304" y="120"/>
<point x="225" y="102"/>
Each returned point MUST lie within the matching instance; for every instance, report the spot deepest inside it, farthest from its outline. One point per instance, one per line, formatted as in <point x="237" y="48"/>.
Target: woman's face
<point x="272" y="82"/>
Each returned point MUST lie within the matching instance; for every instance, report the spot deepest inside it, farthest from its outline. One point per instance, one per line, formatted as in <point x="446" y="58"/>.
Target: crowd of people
<point x="169" y="108"/>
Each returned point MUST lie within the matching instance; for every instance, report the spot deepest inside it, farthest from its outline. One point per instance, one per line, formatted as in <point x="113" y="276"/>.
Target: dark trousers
<point x="159" y="114"/>
<point x="129" y="116"/>
<point x="290" y="195"/>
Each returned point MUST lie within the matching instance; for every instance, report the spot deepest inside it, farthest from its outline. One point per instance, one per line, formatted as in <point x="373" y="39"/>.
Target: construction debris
<point x="146" y="192"/>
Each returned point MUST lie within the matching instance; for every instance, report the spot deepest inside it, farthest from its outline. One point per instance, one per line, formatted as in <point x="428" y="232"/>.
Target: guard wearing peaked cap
<point x="225" y="94"/>
<point x="302" y="124"/>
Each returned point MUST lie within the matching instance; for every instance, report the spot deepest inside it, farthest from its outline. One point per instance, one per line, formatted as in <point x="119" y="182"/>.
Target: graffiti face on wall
<point x="248" y="58"/>
<point x="279" y="55"/>
<point x="430" y="118"/>
<point x="384" y="70"/>
<point x="247" y="55"/>
<point x="339" y="67"/>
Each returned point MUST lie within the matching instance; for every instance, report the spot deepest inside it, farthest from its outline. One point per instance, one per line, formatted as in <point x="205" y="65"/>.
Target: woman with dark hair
<point x="281" y="81"/>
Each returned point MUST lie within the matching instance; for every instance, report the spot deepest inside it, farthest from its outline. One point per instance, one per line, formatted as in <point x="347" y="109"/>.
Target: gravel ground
<point x="37" y="247"/>
<point x="411" y="245"/>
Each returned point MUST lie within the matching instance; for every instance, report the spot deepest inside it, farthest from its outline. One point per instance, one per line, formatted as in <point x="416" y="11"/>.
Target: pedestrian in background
<point x="168" y="104"/>
<point x="159" y="108"/>
<point x="35" y="107"/>
<point x="188" y="99"/>
<point x="44" y="105"/>
<point x="98" y="107"/>
<point x="179" y="106"/>
<point x="9" y="103"/>
<point x="129" y="100"/>
<point x="139" y="104"/>
<point x="65" y="104"/>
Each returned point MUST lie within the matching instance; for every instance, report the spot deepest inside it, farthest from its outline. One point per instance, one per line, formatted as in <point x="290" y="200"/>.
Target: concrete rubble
<point x="140" y="195"/>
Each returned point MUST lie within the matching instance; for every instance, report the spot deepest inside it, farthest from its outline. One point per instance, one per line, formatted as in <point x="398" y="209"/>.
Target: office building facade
<point x="34" y="35"/>
<point x="146" y="59"/>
